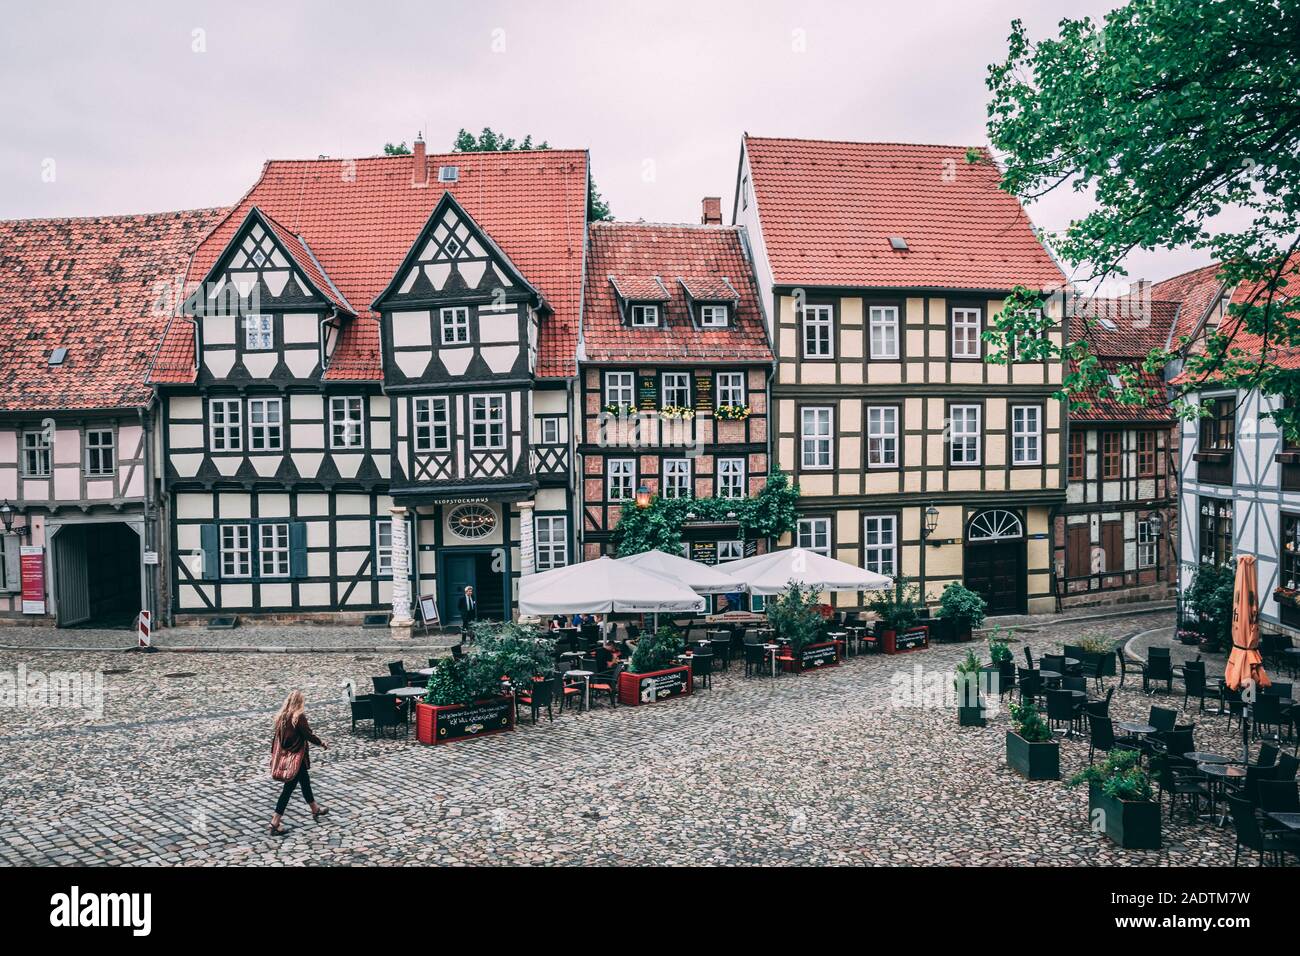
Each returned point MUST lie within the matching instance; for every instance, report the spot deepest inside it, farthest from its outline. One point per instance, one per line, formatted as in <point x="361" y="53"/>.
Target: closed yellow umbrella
<point x="1245" y="663"/>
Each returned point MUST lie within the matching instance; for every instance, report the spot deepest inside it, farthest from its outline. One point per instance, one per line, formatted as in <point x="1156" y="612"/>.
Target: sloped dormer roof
<point x="708" y="258"/>
<point x="358" y="218"/>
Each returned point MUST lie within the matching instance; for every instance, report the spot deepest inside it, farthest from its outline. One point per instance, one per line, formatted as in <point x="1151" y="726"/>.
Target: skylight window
<point x="1115" y="383"/>
<point x="1107" y="324"/>
<point x="57" y="357"/>
<point x="898" y="243"/>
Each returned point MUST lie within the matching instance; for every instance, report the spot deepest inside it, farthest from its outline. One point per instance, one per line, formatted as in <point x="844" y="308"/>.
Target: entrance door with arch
<point x="995" y="560"/>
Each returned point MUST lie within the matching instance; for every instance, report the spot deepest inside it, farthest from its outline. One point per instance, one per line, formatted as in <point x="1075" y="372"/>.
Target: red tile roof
<point x="1103" y="408"/>
<point x="702" y="254"/>
<point x="360" y="217"/>
<point x="640" y="288"/>
<point x="828" y="210"/>
<point x="305" y="259"/>
<point x="100" y="287"/>
<point x="1194" y="292"/>
<point x="1128" y="327"/>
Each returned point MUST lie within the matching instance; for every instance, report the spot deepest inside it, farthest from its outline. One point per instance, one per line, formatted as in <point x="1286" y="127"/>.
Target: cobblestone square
<point x="823" y="768"/>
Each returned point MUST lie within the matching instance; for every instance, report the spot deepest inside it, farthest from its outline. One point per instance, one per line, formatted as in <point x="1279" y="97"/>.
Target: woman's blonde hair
<point x="289" y="714"/>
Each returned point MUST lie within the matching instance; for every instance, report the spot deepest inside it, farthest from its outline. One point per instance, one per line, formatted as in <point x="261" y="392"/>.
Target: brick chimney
<point x="712" y="211"/>
<point x="419" y="166"/>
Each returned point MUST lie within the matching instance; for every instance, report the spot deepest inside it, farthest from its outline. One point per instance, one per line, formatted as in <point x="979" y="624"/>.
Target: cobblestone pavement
<point x="822" y="768"/>
<point x="246" y="636"/>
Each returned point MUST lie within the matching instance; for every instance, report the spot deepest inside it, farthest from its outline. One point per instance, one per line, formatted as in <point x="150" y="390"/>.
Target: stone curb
<point x="1082" y="619"/>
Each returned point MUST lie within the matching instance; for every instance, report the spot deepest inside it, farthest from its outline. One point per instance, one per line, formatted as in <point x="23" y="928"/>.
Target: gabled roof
<point x="829" y="209"/>
<point x="360" y="217"/>
<point x="1126" y="327"/>
<point x="640" y="288"/>
<point x="1103" y="408"/>
<point x="1195" y="293"/>
<point x="101" y="287"/>
<point x="705" y="256"/>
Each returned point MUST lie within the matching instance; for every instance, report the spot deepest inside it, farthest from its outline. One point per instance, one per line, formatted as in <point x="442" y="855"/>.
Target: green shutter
<point x="298" y="549"/>
<point x="211" y="552"/>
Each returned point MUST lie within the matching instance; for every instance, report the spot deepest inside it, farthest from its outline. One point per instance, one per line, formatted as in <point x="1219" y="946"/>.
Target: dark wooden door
<point x="71" y="577"/>
<point x="458" y="573"/>
<point x="996" y="572"/>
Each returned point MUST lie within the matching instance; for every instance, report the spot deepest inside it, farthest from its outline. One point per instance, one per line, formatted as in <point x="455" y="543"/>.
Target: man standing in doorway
<point x="468" y="609"/>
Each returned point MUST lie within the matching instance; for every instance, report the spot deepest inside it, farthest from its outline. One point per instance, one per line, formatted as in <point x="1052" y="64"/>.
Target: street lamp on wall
<point x="1156" y="522"/>
<point x="7" y="515"/>
<point x="643" y="497"/>
<point x="931" y="521"/>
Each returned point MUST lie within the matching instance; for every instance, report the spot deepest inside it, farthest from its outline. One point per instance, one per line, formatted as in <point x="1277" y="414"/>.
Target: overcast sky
<point x="158" y="106"/>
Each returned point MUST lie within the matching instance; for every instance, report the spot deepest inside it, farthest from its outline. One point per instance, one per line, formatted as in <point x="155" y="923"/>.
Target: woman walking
<point x="290" y="759"/>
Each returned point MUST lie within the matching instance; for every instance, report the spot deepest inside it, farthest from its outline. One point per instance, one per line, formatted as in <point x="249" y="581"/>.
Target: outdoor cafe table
<point x="424" y="672"/>
<point x="1289" y="820"/>
<point x="407" y="692"/>
<point x="1136" y="727"/>
<point x="1198" y="756"/>
<point x="585" y="677"/>
<point x="1217" y="776"/>
<point x="1049" y="676"/>
<point x="771" y="651"/>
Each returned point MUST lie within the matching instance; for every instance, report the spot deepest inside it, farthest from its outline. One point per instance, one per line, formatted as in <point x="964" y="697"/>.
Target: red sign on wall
<point x="31" y="560"/>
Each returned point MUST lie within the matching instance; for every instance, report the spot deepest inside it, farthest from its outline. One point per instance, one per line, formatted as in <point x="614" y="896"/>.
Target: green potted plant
<point x="1003" y="663"/>
<point x="1032" y="751"/>
<point x="1099" y="650"/>
<point x="1210" y="598"/>
<point x="963" y="609"/>
<point x="653" y="673"/>
<point x="966" y="679"/>
<point x="1121" y="800"/>
<point x="896" y="609"/>
<point x="797" y="617"/>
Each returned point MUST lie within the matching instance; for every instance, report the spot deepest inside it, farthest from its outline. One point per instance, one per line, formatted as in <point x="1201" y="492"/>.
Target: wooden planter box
<point x="970" y="709"/>
<point x="444" y="724"/>
<point x="650" y="688"/>
<point x="1036" y="761"/>
<point x="914" y="639"/>
<point x="1132" y="824"/>
<point x="813" y="657"/>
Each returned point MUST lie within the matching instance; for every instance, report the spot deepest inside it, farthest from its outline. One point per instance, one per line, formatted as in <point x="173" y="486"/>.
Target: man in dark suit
<point x="468" y="609"/>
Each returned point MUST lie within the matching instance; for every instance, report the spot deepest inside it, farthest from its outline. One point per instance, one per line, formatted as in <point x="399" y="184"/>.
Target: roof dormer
<point x="641" y="300"/>
<point x="711" y="301"/>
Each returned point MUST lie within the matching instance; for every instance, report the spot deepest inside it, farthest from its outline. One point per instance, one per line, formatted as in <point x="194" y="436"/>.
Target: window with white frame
<point x="265" y="424"/>
<point x="1026" y="435"/>
<point x="645" y="316"/>
<point x="551" y="533"/>
<point x="883" y="322"/>
<point x="454" y="322"/>
<point x="964" y="435"/>
<point x="236" y="551"/>
<point x="880" y="543"/>
<point x="818" y="331"/>
<point x="225" y="424"/>
<point x="882" y="436"/>
<point x="100" y="456"/>
<point x="550" y="431"/>
<point x="966" y="333"/>
<point x="273" y="550"/>
<point x="815" y="437"/>
<point x="677" y="478"/>
<point x="346" y="422"/>
<point x="36" y="454"/>
<point x="487" y="422"/>
<point x="259" y="332"/>
<point x="432" y="424"/>
<point x="620" y="477"/>
<point x="676" y="389"/>
<point x="1034" y="317"/>
<point x="731" y="477"/>
<point x="731" y="388"/>
<point x="384" y="546"/>
<point x="1146" y="544"/>
<point x="713" y="316"/>
<point x="814" y="534"/>
<point x="619" y="388"/>
<point x="730" y="551"/>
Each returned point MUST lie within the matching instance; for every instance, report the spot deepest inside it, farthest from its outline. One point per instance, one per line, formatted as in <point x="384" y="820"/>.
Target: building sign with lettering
<point x="31" y="560"/>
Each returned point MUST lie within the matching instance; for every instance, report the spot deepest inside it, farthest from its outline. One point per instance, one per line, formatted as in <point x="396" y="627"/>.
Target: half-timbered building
<point x="674" y="364"/>
<point x="376" y="351"/>
<point x="1112" y="540"/>
<point x="880" y="266"/>
<point x="83" y="304"/>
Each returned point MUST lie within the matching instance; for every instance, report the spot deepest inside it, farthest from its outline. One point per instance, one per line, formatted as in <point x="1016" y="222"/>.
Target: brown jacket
<point x="297" y="736"/>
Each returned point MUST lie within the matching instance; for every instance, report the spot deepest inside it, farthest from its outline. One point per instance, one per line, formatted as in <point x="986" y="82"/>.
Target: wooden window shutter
<point x="211" y="552"/>
<point x="1112" y="544"/>
<point x="1078" y="551"/>
<point x="297" y="549"/>
<point x="13" y="576"/>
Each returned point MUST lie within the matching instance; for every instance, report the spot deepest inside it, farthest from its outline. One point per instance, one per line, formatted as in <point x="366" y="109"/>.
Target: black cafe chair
<point x="540" y="693"/>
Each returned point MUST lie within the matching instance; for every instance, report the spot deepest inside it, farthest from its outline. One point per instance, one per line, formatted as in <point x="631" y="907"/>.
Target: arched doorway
<point x="995" y="559"/>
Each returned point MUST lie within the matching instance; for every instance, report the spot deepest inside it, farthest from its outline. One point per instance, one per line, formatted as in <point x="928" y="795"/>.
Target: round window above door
<point x="995" y="525"/>
<point x="472" y="522"/>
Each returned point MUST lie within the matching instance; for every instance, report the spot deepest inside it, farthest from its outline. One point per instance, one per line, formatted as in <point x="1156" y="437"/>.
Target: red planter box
<point x="913" y="639"/>
<point x="813" y="657"/>
<point x="444" y="724"/>
<point x="637" y="689"/>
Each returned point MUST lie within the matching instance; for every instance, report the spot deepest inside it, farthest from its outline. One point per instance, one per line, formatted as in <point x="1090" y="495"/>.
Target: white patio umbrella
<point x="700" y="578"/>
<point x="772" y="573"/>
<point x="603" y="586"/>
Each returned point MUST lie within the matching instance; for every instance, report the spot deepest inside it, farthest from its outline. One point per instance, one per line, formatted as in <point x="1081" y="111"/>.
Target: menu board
<point x="916" y="637"/>
<point x="653" y="687"/>
<point x="705" y="552"/>
<point x="648" y="392"/>
<point x="475" y="719"/>
<point x="704" y="393"/>
<point x="817" y="655"/>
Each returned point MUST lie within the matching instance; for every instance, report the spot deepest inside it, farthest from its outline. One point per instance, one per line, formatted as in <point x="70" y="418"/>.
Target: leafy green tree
<point x="490" y="141"/>
<point x="398" y="149"/>
<point x="1169" y="112"/>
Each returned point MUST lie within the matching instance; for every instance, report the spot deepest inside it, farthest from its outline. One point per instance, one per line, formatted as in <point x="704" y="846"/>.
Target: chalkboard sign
<point x="817" y="655"/>
<point x="648" y="394"/>
<point x="706" y="552"/>
<point x="474" y="720"/>
<point x="704" y="393"/>
<point x="751" y="548"/>
<point x="916" y="637"/>
<point x="661" y="686"/>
